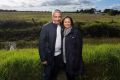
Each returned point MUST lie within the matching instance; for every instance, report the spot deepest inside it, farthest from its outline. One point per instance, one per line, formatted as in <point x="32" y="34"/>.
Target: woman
<point x="72" y="49"/>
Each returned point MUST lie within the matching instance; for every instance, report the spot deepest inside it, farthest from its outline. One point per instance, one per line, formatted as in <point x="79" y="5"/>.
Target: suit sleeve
<point x="42" y="44"/>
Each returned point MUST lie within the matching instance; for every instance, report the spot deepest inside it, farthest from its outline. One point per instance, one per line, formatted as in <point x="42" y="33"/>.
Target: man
<point x="50" y="49"/>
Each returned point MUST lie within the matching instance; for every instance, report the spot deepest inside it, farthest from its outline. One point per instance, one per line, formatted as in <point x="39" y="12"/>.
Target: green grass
<point x="102" y="62"/>
<point x="20" y="65"/>
<point x="46" y="17"/>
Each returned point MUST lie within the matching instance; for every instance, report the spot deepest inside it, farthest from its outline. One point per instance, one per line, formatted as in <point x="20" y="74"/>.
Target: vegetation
<point x="102" y="62"/>
<point x="26" y="26"/>
<point x="112" y="12"/>
<point x="101" y="53"/>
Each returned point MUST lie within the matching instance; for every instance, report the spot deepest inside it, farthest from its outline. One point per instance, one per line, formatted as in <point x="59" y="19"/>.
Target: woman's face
<point x="67" y="23"/>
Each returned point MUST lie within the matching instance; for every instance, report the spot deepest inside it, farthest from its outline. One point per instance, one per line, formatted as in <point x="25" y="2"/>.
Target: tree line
<point x="90" y="11"/>
<point x="94" y="11"/>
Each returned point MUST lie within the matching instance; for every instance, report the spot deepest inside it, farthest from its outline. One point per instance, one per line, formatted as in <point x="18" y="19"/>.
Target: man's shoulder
<point x="47" y="25"/>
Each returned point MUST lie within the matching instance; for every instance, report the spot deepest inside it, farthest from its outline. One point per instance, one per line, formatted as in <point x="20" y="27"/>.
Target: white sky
<point x="48" y="5"/>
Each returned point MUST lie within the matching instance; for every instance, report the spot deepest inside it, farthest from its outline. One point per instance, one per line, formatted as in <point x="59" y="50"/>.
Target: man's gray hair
<point x="56" y="10"/>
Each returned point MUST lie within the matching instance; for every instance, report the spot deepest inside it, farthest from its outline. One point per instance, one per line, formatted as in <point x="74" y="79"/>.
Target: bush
<point x="27" y="44"/>
<point x="14" y="24"/>
<point x="19" y="44"/>
<point x="101" y="30"/>
<point x="96" y="29"/>
<point x="15" y="35"/>
<point x="19" y="24"/>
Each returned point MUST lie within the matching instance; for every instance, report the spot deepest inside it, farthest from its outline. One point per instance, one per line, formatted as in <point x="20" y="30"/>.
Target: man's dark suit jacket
<point x="47" y="42"/>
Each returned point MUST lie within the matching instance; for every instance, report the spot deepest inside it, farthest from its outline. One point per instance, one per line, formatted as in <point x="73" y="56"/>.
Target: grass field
<point x="14" y="24"/>
<point x="46" y="17"/>
<point x="102" y="62"/>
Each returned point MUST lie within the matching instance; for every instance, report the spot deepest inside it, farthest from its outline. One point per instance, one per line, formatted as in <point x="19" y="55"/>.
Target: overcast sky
<point x="64" y="5"/>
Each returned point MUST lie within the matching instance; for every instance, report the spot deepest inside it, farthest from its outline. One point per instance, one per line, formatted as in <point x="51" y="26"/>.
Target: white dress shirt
<point x="58" y="41"/>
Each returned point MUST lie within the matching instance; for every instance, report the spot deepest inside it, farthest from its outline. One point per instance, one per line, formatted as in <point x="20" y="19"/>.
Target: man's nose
<point x="57" y="19"/>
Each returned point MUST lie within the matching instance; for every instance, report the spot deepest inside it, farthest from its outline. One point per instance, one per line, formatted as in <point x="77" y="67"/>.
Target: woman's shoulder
<point x="77" y="30"/>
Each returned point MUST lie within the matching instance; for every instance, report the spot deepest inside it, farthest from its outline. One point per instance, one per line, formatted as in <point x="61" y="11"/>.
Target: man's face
<point x="56" y="17"/>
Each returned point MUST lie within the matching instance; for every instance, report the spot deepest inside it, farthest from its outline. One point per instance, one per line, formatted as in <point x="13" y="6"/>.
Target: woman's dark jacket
<point x="73" y="52"/>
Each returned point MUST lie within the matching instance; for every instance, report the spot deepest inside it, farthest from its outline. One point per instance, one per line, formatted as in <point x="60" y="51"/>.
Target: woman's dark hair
<point x="72" y="24"/>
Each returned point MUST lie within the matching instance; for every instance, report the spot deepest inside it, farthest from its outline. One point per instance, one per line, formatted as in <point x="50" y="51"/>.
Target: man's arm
<point x="42" y="45"/>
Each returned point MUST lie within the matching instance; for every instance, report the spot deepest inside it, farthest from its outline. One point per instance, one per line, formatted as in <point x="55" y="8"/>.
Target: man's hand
<point x="44" y="62"/>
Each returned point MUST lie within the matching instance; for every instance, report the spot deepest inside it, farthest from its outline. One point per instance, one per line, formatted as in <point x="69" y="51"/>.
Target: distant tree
<point x="99" y="11"/>
<point x="77" y="11"/>
<point x="106" y="10"/>
<point x="81" y="11"/>
<point x="111" y="12"/>
<point x="91" y="11"/>
<point x="1" y="10"/>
